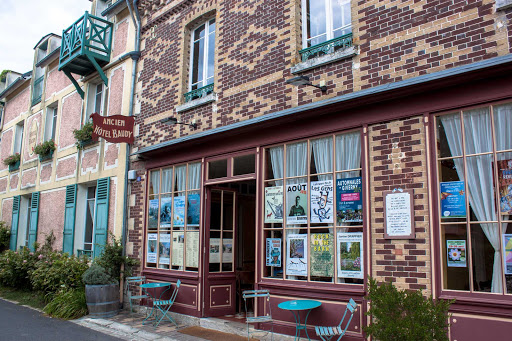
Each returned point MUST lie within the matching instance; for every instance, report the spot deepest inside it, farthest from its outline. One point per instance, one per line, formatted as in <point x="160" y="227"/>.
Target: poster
<point x="165" y="212"/>
<point x="273" y="252"/>
<point x="350" y="255"/>
<point x="179" y="211"/>
<point x="274" y="204"/>
<point x="192" y="250"/>
<point x="297" y="204"/>
<point x="164" y="249"/>
<point x="227" y="250"/>
<point x="349" y="201"/>
<point x="505" y="185"/>
<point x="193" y="209"/>
<point x="152" y="237"/>
<point x="322" y="251"/>
<point x="456" y="253"/>
<point x="178" y="240"/>
<point x="507" y="253"/>
<point x="297" y="260"/>
<point x="453" y="199"/>
<point x="398" y="213"/>
<point x="322" y="210"/>
<point x="153" y="214"/>
<point x="214" y="250"/>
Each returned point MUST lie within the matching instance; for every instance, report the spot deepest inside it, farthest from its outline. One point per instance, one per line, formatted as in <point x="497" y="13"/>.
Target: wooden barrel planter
<point x="102" y="300"/>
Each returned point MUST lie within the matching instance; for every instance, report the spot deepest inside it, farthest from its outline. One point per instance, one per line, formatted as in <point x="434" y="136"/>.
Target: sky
<point x="24" y="22"/>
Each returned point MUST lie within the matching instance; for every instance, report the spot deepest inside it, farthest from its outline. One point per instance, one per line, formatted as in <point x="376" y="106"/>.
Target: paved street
<point x="24" y="324"/>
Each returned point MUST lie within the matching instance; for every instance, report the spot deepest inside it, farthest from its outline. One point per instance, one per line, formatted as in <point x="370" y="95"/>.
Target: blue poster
<point x="349" y="200"/>
<point x="193" y="209"/>
<point x="179" y="211"/>
<point x="453" y="199"/>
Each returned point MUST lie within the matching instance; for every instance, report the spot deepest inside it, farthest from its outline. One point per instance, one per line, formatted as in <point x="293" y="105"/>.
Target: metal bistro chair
<point x="165" y="305"/>
<point x="327" y="333"/>
<point x="134" y="280"/>
<point x="255" y="294"/>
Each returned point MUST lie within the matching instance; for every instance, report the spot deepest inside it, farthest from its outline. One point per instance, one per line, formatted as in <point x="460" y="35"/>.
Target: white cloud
<point x="24" y="23"/>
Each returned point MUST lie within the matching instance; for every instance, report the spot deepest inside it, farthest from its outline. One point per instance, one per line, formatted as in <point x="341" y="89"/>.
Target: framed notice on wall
<point x="398" y="214"/>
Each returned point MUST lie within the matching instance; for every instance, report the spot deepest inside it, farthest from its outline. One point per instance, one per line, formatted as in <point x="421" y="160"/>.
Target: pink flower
<point x="40" y="257"/>
<point x="31" y="253"/>
<point x="24" y="261"/>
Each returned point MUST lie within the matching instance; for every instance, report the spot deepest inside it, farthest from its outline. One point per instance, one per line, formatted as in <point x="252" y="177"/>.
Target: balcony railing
<point x="198" y="93"/>
<point x="327" y="47"/>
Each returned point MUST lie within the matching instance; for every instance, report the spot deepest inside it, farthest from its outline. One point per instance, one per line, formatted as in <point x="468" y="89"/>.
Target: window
<point x="18" y="138"/>
<point x="174" y="218"/>
<point x="27" y="227"/>
<point x="474" y="172"/>
<point x="50" y="123"/>
<point x="96" y="99"/>
<point x="37" y="90"/>
<point x="90" y="204"/>
<point x="101" y="5"/>
<point x="324" y="20"/>
<point x="202" y="59"/>
<point x="313" y="210"/>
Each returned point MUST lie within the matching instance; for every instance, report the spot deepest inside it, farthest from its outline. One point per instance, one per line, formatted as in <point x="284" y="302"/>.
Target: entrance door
<point x="220" y="227"/>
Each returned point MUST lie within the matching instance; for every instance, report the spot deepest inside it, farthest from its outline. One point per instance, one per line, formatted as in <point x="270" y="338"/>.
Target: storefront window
<point x="474" y="167"/>
<point x="313" y="219"/>
<point x="173" y="218"/>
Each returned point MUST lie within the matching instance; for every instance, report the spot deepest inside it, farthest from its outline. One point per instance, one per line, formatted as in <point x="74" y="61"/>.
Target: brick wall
<point x="398" y="160"/>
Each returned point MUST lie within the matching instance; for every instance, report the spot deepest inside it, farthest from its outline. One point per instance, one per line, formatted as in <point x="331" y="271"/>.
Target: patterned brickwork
<point x="398" y="160"/>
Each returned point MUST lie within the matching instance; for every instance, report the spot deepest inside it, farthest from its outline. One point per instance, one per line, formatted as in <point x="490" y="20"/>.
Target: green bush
<point x="16" y="268"/>
<point x="67" y="304"/>
<point x="5" y="236"/>
<point x="97" y="275"/>
<point x="113" y="261"/>
<point x="400" y="315"/>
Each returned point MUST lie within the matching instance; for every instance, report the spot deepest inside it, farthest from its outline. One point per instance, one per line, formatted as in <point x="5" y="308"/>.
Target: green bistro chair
<point x="327" y="333"/>
<point x="255" y="294"/>
<point x="165" y="305"/>
<point x="138" y="280"/>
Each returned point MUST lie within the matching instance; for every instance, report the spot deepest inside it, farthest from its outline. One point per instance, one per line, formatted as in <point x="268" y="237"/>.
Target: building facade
<point x="77" y="192"/>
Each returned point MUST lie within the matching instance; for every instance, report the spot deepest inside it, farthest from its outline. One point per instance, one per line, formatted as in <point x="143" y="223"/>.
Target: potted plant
<point x="45" y="150"/>
<point x="83" y="135"/>
<point x="101" y="292"/>
<point x="13" y="161"/>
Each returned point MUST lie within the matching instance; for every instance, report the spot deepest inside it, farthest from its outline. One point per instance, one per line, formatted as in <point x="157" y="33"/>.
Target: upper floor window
<point x="96" y="99"/>
<point x="324" y="20"/>
<point x="18" y="138"/>
<point x="202" y="57"/>
<point x="50" y="123"/>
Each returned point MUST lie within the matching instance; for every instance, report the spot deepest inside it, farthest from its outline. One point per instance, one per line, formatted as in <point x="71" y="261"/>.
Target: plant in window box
<point x="83" y="136"/>
<point x="45" y="150"/>
<point x="13" y="161"/>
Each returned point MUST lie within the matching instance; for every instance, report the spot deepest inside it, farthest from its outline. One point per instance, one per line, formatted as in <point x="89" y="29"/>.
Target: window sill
<point x="503" y="4"/>
<point x="212" y="97"/>
<point x="312" y="63"/>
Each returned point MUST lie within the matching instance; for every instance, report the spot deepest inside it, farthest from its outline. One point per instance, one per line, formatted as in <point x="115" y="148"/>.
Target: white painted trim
<point x="57" y="137"/>
<point x="6" y="185"/>
<point x="54" y="190"/>
<point x="116" y="164"/>
<point x="43" y="165"/>
<point x="312" y="63"/>
<point x="82" y="156"/>
<point x="122" y="66"/>
<point x="30" y="185"/>
<point x="10" y="179"/>
<point x="116" y="27"/>
<point x="197" y="102"/>
<point x="503" y="4"/>
<point x="75" y="156"/>
<point x="20" y="113"/>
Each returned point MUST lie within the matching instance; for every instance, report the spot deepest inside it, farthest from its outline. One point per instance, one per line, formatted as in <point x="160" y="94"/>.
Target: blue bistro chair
<point x="165" y="305"/>
<point x="255" y="294"/>
<point x="138" y="280"/>
<point x="327" y="333"/>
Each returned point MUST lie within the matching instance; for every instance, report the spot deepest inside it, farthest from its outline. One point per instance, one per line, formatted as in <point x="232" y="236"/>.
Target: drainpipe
<point x="135" y="56"/>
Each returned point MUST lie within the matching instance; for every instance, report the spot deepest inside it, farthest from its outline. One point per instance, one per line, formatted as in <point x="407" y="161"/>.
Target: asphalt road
<point x="25" y="324"/>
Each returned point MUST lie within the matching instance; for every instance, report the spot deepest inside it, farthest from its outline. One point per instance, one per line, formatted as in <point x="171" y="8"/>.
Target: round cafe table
<point x="296" y="306"/>
<point x="147" y="289"/>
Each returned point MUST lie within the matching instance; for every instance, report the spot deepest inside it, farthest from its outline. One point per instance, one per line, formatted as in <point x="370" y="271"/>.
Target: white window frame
<point x="207" y="33"/>
<point x="18" y="138"/>
<point x="87" y="200"/>
<point x="328" y="21"/>
<point x="92" y="99"/>
<point x="50" y="124"/>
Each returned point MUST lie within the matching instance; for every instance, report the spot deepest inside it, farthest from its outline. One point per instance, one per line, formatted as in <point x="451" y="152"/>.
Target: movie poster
<point x="164" y="249"/>
<point x="322" y="210"/>
<point x="152" y="240"/>
<point x="350" y="255"/>
<point x="214" y="250"/>
<point x="274" y="204"/>
<point x="165" y="211"/>
<point x="456" y="253"/>
<point x="192" y="250"/>
<point x="193" y="209"/>
<point x="505" y="185"/>
<point x="453" y="199"/>
<point x="349" y="200"/>
<point x="153" y="214"/>
<point x="297" y="204"/>
<point x="273" y="252"/>
<point x="297" y="250"/>
<point x="178" y="240"/>
<point x="179" y="211"/>
<point x="227" y="250"/>
<point x="507" y="253"/>
<point x="322" y="252"/>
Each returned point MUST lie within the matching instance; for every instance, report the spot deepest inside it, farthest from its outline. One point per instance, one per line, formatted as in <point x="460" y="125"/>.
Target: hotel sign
<point x="115" y="129"/>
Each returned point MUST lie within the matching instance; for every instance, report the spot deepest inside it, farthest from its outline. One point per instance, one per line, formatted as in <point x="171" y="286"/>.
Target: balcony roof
<point x="16" y="84"/>
<point x="114" y="8"/>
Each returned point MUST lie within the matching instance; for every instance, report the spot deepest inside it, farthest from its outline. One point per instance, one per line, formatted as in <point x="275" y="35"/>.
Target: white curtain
<point x="276" y="160"/>
<point x="194" y="175"/>
<point x="296" y="160"/>
<point x="348" y="153"/>
<point x="322" y="154"/>
<point x="155" y="182"/>
<point x="181" y="178"/>
<point x="478" y="134"/>
<point x="167" y="180"/>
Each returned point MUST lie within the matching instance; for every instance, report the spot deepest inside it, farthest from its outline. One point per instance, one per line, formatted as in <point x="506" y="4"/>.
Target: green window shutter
<point x="34" y="214"/>
<point x="69" y="219"/>
<point x="101" y="215"/>
<point x="14" y="223"/>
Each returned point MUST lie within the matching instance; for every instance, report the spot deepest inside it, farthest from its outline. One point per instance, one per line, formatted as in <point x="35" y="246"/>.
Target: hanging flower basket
<point x="45" y="150"/>
<point x="83" y="136"/>
<point x="13" y="161"/>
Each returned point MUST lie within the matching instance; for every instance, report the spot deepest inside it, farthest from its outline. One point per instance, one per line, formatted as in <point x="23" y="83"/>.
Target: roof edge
<point x="14" y="85"/>
<point x="115" y="8"/>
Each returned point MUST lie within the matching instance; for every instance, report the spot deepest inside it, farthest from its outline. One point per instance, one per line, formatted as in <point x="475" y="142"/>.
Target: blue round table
<point x="296" y="306"/>
<point x="155" y="285"/>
